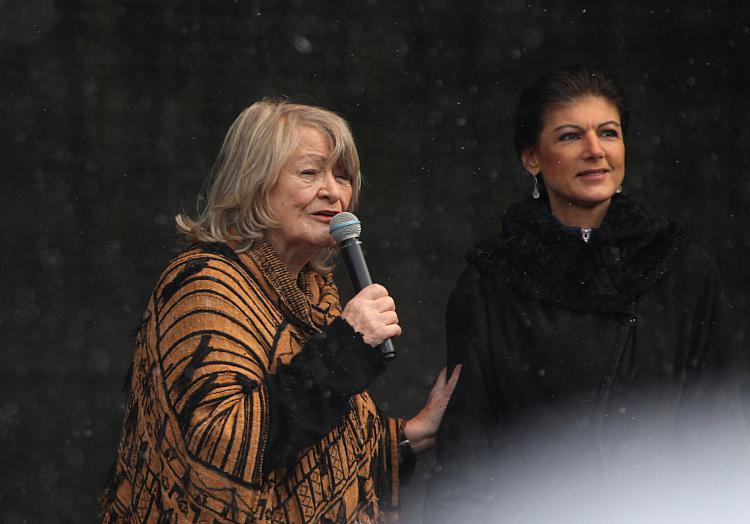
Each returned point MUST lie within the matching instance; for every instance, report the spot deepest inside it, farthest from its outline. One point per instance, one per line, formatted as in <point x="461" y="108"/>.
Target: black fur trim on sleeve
<point x="309" y="396"/>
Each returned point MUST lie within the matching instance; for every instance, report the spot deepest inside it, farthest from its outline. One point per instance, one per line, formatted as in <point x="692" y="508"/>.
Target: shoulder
<point x="476" y="285"/>
<point x="488" y="257"/>
<point x="470" y="275"/>
<point x="486" y="266"/>
<point x="200" y="263"/>
<point x="211" y="276"/>
<point x="206" y="293"/>
<point x="198" y="257"/>
<point x="695" y="263"/>
<point x="698" y="256"/>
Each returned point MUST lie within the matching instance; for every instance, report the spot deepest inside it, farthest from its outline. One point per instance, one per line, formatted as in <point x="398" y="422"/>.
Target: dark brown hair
<point x="561" y="86"/>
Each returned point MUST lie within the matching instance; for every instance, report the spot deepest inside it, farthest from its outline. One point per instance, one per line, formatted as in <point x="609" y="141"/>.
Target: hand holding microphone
<point x="372" y="312"/>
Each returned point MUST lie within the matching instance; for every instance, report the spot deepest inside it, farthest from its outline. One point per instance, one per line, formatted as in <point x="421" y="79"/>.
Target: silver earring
<point x="619" y="189"/>
<point x="535" y="191"/>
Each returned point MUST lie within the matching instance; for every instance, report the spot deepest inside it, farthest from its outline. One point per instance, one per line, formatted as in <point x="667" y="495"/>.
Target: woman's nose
<point x="593" y="146"/>
<point x="329" y="187"/>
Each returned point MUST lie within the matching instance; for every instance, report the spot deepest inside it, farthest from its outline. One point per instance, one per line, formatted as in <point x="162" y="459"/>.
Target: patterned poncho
<point x="247" y="402"/>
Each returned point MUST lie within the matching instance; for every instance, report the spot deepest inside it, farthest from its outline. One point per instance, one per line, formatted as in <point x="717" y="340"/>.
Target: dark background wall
<point x="111" y="114"/>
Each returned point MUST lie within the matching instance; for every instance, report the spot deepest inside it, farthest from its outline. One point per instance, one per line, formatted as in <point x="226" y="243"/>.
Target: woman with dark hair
<point x="581" y="301"/>
<point x="247" y="396"/>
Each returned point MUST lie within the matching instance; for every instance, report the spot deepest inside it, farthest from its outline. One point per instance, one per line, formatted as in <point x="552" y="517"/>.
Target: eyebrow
<point x="314" y="157"/>
<point x="576" y="126"/>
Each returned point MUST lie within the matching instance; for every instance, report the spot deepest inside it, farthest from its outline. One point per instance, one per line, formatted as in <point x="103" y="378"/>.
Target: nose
<point x="329" y="187"/>
<point x="593" y="147"/>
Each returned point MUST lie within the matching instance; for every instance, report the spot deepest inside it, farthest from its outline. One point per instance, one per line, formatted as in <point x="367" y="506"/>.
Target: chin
<point x="587" y="201"/>
<point x="597" y="197"/>
<point x="325" y="242"/>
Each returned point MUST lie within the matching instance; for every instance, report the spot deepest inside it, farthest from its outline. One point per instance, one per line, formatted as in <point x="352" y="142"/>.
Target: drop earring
<point x="619" y="189"/>
<point x="535" y="191"/>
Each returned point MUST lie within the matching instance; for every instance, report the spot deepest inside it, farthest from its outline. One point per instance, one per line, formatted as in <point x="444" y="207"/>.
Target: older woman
<point x="247" y="395"/>
<point x="582" y="302"/>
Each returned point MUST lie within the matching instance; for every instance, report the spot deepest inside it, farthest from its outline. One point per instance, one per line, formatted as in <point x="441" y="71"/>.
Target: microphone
<point x="345" y="229"/>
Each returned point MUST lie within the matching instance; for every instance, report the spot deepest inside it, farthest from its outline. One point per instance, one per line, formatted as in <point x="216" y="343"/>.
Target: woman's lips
<point x="324" y="216"/>
<point x="593" y="173"/>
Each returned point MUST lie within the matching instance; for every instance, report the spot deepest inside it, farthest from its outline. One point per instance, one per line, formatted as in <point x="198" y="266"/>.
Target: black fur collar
<point x="546" y="261"/>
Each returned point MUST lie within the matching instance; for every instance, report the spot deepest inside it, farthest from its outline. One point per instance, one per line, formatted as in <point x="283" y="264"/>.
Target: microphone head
<point x="344" y="226"/>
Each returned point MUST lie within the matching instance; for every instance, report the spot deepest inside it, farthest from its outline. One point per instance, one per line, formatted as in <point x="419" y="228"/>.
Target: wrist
<point x="406" y="452"/>
<point x="407" y="459"/>
<point x="420" y="439"/>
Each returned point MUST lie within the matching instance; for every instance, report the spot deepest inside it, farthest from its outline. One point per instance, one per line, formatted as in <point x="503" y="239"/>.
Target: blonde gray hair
<point x="236" y="209"/>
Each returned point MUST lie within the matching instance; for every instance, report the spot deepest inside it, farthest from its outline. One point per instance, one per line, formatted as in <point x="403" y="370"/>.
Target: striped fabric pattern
<point x="197" y="420"/>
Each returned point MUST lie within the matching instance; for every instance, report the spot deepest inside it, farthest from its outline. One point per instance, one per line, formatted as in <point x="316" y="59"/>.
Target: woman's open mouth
<point x="593" y="173"/>
<point x="324" y="215"/>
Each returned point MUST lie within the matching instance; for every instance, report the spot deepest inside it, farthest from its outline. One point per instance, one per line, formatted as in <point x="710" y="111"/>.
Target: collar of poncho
<point x="312" y="298"/>
<point x="548" y="262"/>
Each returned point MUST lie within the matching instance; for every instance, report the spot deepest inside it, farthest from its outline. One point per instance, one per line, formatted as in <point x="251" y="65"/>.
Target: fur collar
<point x="548" y="262"/>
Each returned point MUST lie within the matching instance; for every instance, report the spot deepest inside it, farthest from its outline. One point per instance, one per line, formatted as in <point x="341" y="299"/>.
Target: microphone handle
<point x="387" y="350"/>
<point x="354" y="259"/>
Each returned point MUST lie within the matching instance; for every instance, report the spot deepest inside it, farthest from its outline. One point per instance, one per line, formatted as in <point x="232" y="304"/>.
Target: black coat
<point x="557" y="336"/>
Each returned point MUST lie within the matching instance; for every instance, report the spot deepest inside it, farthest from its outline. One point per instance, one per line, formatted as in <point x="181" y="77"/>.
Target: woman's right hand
<point x="372" y="312"/>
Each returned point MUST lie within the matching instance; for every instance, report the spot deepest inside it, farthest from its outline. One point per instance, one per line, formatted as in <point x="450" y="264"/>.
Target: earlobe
<point x="530" y="162"/>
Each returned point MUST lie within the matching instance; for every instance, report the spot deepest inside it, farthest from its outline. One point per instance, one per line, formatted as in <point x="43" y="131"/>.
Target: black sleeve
<point x="459" y="487"/>
<point x="718" y="380"/>
<point x="711" y="419"/>
<point x="309" y="396"/>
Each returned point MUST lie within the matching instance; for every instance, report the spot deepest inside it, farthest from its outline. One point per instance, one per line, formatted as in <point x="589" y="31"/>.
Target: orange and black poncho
<point x="247" y="402"/>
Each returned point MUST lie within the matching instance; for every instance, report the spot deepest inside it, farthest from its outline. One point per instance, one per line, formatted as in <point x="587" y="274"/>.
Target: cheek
<point x="616" y="157"/>
<point x="556" y="163"/>
<point x="621" y="156"/>
<point x="296" y="202"/>
<point x="286" y="213"/>
<point x="346" y="198"/>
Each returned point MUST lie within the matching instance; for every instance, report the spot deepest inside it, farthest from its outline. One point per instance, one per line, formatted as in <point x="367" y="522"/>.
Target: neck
<point x="295" y="259"/>
<point x="573" y="215"/>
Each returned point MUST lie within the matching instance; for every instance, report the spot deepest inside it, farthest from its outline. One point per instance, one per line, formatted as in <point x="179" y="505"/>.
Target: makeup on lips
<point x="593" y="174"/>
<point x="324" y="215"/>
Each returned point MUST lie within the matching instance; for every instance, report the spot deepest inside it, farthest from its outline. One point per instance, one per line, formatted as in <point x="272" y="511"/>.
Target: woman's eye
<point x="610" y="133"/>
<point x="568" y="136"/>
<point x="309" y="172"/>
